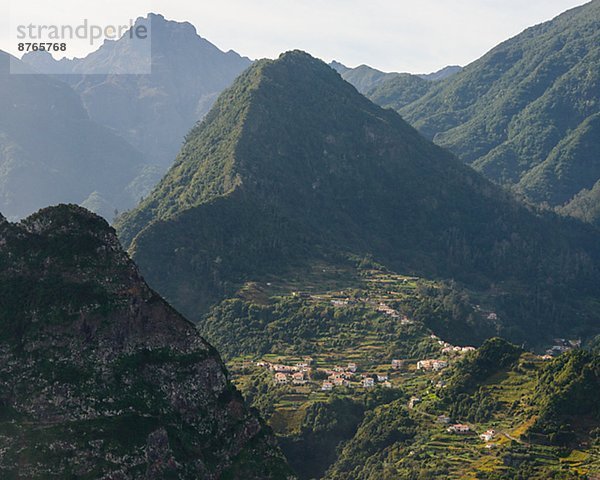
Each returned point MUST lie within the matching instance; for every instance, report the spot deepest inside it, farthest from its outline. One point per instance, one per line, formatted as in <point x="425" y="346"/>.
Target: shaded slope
<point x="100" y="377"/>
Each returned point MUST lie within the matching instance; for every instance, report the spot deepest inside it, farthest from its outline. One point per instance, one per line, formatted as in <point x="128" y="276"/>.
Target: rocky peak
<point x="122" y="385"/>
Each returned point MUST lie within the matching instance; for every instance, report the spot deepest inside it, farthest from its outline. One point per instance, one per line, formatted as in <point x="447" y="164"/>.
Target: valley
<point x="319" y="384"/>
<point x="287" y="268"/>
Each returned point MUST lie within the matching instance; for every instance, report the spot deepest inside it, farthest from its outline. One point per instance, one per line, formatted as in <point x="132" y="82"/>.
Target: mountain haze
<point x="283" y="172"/>
<point x="366" y="78"/>
<point x="153" y="111"/>
<point x="51" y="151"/>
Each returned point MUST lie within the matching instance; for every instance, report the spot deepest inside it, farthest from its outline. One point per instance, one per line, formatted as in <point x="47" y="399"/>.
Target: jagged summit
<point x="64" y="218"/>
<point x="151" y="111"/>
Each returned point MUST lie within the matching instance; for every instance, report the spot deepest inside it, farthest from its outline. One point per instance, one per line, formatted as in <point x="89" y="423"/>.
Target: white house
<point x="298" y="378"/>
<point x="487" y="435"/>
<point x="459" y="429"/>
<point x="435" y="365"/>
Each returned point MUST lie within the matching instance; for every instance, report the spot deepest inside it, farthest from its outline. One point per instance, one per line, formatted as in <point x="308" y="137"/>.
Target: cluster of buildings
<point x="461" y="429"/>
<point x="450" y="349"/>
<point x="562" y="345"/>
<point x="431" y="365"/>
<point x="369" y="381"/>
<point x="298" y="374"/>
<point x="453" y="349"/>
<point x="341" y="376"/>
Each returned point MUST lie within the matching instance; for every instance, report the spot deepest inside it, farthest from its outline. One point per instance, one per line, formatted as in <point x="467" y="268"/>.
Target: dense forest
<point x="356" y="180"/>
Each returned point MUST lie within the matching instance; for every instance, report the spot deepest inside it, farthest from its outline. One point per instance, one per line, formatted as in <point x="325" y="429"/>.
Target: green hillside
<point x="542" y="410"/>
<point x="283" y="174"/>
<point x="526" y="113"/>
<point x="396" y="441"/>
<point x="397" y="92"/>
<point x="585" y="205"/>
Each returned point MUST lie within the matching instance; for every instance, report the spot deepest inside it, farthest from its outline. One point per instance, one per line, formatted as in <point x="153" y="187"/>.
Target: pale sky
<point x="416" y="36"/>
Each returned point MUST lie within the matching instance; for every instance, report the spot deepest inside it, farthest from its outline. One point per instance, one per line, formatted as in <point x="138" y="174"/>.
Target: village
<point x="375" y="349"/>
<point x="308" y="375"/>
<point x="368" y="365"/>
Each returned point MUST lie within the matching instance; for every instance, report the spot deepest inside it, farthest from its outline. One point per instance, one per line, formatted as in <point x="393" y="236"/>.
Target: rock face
<point x="100" y="377"/>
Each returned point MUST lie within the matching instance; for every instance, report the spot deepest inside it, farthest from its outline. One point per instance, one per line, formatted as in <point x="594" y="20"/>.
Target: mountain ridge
<point x="523" y="114"/>
<point x="46" y="167"/>
<point x="152" y="112"/>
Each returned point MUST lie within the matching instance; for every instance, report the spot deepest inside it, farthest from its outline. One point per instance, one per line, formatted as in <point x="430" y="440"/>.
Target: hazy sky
<point x="401" y="35"/>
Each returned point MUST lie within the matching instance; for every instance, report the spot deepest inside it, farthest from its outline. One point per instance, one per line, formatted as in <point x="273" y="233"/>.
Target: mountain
<point x="363" y="77"/>
<point x="526" y="113"/>
<point x="51" y="151"/>
<point x="282" y="173"/>
<point x="100" y="377"/>
<point x="153" y="111"/>
<point x="351" y="432"/>
<point x="567" y="390"/>
<point x="367" y="79"/>
<point x="399" y="91"/>
<point x="585" y="205"/>
<point x="392" y="90"/>
<point x="445" y="72"/>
